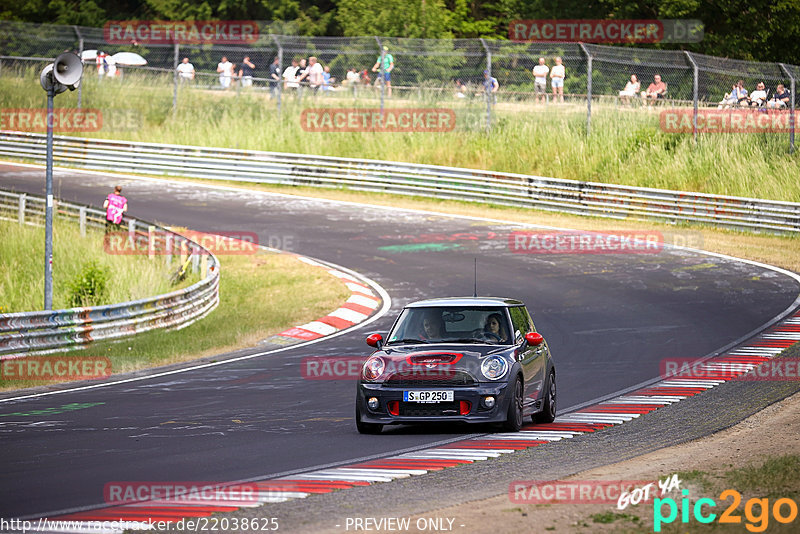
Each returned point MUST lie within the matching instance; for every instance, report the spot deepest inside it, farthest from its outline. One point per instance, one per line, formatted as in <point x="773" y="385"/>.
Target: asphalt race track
<point x="609" y="320"/>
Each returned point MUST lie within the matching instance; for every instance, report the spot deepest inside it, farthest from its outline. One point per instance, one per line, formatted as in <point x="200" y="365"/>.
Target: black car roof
<point x="465" y="301"/>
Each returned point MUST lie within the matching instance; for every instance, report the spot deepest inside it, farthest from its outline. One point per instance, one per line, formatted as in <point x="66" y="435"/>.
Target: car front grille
<point x="430" y="379"/>
<point x="411" y="409"/>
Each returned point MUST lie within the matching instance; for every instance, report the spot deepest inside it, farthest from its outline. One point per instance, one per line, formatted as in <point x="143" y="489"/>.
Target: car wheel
<point x="514" y="417"/>
<point x="548" y="413"/>
<point x="367" y="428"/>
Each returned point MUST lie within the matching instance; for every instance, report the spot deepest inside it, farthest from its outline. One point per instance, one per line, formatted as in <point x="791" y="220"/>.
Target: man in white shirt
<point x="225" y="69"/>
<point x="315" y="73"/>
<point x="186" y="70"/>
<point x="290" y="76"/>
<point x="540" y="80"/>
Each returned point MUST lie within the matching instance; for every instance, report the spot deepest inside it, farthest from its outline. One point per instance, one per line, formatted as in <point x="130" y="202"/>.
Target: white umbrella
<point x="88" y="55"/>
<point x="129" y="58"/>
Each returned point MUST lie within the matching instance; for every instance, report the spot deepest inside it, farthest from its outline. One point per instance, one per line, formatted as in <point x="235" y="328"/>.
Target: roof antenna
<point x="475" y="294"/>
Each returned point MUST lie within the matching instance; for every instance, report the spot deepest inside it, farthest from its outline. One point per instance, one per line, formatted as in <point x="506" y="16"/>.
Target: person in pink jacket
<point x="115" y="206"/>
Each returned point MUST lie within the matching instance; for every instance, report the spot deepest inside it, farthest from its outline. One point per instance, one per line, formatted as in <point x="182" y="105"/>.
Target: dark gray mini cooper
<point x="471" y="359"/>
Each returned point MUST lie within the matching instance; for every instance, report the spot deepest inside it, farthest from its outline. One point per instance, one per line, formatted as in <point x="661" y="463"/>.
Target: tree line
<point x="759" y="30"/>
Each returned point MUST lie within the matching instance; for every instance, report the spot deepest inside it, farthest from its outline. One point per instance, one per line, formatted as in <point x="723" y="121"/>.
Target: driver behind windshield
<point x="495" y="325"/>
<point x="432" y="326"/>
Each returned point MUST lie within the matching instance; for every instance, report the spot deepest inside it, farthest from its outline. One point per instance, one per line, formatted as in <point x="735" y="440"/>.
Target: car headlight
<point x="373" y="368"/>
<point x="494" y="367"/>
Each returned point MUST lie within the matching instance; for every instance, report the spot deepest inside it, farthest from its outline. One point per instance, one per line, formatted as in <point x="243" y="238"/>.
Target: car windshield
<point x="451" y="325"/>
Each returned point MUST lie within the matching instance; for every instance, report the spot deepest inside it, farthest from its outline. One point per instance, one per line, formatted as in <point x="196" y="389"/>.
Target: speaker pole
<point x="48" y="224"/>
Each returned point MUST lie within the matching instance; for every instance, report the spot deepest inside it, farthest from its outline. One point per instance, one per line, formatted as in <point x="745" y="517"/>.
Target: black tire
<point x="548" y="413"/>
<point x="367" y="428"/>
<point x="514" y="416"/>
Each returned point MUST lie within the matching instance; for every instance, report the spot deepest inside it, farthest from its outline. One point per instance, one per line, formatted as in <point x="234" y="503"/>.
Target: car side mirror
<point x="534" y="338"/>
<point x="376" y="340"/>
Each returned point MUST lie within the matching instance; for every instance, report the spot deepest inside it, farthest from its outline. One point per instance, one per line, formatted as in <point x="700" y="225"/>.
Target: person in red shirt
<point x="655" y="90"/>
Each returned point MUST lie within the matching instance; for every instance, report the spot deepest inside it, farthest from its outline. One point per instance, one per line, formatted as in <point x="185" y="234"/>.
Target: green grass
<point x="260" y="295"/>
<point x="775" y="478"/>
<point x="22" y="267"/>
<point x="626" y="145"/>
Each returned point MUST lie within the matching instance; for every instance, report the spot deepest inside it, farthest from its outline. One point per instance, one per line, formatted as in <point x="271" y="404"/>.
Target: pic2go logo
<point x="784" y="510"/>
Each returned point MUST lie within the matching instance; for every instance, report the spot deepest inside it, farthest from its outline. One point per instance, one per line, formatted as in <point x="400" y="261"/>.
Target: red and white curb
<point x="362" y="303"/>
<point x="618" y="410"/>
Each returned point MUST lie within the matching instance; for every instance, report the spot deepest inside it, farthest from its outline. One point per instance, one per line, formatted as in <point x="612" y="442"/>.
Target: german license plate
<point x="428" y="396"/>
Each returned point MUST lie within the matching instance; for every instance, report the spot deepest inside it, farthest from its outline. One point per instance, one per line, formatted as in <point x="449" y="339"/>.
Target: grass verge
<point x="260" y="295"/>
<point x="22" y="269"/>
<point x="626" y="146"/>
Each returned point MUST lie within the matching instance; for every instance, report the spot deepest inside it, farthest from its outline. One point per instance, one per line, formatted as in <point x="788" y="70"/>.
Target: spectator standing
<point x="655" y="90"/>
<point x="780" y="99"/>
<point x="290" y="76"/>
<point x="274" y="77"/>
<point x="758" y="98"/>
<point x="490" y="86"/>
<point x="302" y="74"/>
<point x="557" y="75"/>
<point x="352" y="80"/>
<point x="185" y="70"/>
<point x="102" y="64"/>
<point x="225" y="70"/>
<point x="327" y="81"/>
<point x="631" y="90"/>
<point x="315" y="74"/>
<point x="246" y="72"/>
<point x="388" y="66"/>
<point x="115" y="205"/>
<point x="540" y="72"/>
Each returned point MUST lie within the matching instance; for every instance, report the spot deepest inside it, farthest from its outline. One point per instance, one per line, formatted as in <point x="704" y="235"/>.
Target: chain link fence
<point x="427" y="71"/>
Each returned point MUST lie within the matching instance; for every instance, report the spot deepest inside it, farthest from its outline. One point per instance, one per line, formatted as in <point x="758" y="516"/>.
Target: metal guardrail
<point x="55" y="329"/>
<point x="552" y="194"/>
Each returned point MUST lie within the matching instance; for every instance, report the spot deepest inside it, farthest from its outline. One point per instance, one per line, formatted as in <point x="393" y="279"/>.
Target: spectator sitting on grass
<point x="186" y="70"/>
<point x="758" y="98"/>
<point x="780" y="99"/>
<point x="655" y="90"/>
<point x="631" y="90"/>
<point x="730" y="99"/>
<point x="461" y="89"/>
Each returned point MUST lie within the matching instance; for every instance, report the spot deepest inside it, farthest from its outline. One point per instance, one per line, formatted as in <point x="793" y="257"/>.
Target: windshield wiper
<point x="409" y="340"/>
<point x="466" y="340"/>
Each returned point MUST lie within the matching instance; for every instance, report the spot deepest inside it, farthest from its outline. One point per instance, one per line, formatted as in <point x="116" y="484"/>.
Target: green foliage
<point x="763" y="30"/>
<point x="90" y="287"/>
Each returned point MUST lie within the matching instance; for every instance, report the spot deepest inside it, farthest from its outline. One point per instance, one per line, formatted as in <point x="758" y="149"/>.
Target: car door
<point x="530" y="358"/>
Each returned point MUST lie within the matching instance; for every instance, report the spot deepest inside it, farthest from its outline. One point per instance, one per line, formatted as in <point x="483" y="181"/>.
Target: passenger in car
<point x="495" y="325"/>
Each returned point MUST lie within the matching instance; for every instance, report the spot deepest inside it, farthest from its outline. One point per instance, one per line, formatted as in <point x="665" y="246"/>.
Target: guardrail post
<point x="195" y="259"/>
<point x="383" y="78"/>
<point x="694" y="94"/>
<point x="184" y="255"/>
<point x="203" y="266"/>
<point x="168" y="248"/>
<point x="792" y="121"/>
<point x="151" y="243"/>
<point x="21" y="212"/>
<point x="588" y="89"/>
<point x="132" y="233"/>
<point x="83" y="220"/>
